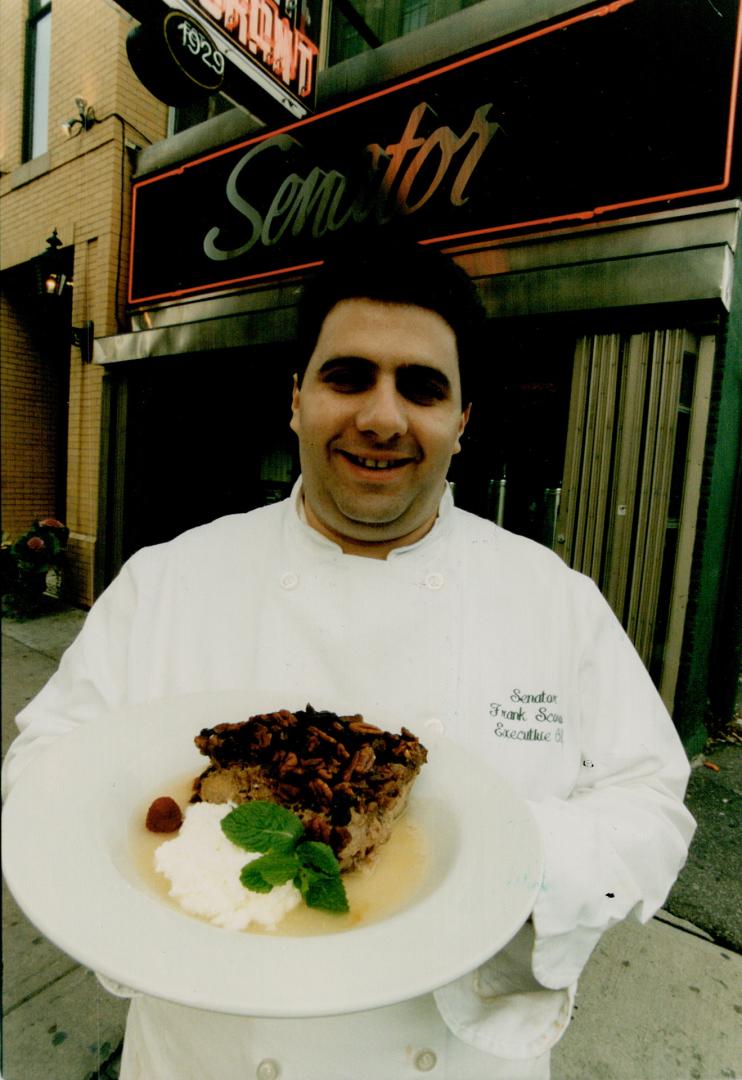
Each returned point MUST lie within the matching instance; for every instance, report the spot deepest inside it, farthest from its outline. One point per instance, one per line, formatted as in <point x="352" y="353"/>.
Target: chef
<point x="368" y="591"/>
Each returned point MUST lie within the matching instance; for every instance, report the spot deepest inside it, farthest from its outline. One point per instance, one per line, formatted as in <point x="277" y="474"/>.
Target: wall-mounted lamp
<point x="52" y="278"/>
<point x="83" y="121"/>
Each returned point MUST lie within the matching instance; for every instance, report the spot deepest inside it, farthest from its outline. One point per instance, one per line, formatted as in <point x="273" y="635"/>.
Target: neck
<point x="369" y="549"/>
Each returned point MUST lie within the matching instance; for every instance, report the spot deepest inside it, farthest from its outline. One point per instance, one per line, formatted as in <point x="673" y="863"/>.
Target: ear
<point x="294" y="422"/>
<point x="463" y="421"/>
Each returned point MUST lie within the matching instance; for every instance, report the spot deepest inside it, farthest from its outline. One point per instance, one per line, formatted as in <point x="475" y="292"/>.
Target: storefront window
<point x="365" y="24"/>
<point x="38" y="53"/>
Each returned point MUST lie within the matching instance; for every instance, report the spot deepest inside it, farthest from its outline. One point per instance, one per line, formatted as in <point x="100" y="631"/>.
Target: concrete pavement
<point x="659" y="1002"/>
<point x="58" y="1024"/>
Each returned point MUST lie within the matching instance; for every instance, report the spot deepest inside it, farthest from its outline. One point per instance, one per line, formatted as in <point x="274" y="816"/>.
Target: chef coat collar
<point x="441" y="526"/>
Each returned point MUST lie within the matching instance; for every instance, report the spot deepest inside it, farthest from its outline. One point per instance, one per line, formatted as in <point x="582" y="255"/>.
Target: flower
<point x="41" y="548"/>
<point x="26" y="563"/>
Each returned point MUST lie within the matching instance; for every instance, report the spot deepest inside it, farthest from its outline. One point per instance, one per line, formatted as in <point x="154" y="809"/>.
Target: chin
<point x="392" y="518"/>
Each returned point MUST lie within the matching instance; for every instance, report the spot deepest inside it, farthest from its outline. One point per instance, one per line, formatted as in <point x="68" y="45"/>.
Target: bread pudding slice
<point x="347" y="780"/>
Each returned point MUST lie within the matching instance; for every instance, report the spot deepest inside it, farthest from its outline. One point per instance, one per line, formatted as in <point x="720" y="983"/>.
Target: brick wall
<point x="33" y="386"/>
<point x="80" y="187"/>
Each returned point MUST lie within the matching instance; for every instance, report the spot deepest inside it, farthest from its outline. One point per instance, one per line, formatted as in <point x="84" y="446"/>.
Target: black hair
<point x="395" y="270"/>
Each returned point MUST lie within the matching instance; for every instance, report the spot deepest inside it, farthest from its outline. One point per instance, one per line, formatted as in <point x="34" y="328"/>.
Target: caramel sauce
<point x="385" y="884"/>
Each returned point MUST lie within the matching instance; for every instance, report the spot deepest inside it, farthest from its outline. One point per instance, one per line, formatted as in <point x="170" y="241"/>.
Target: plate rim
<point x="395" y="927"/>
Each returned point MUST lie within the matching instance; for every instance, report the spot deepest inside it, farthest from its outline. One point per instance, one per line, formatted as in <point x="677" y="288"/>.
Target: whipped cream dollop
<point x="203" y="867"/>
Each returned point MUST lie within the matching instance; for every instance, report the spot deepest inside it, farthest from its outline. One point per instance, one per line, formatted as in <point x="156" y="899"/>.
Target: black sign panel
<point x="193" y="51"/>
<point x="620" y="108"/>
<point x="175" y="59"/>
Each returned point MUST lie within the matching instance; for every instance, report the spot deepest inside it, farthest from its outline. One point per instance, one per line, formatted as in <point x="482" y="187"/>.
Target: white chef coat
<point x="472" y="630"/>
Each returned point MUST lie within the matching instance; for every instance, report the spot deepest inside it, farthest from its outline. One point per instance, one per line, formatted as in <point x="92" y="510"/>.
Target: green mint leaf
<point x="301" y="881"/>
<point x="253" y="880"/>
<point x="263" y="826"/>
<point x="272" y="869"/>
<point x="326" y="892"/>
<point x="318" y="856"/>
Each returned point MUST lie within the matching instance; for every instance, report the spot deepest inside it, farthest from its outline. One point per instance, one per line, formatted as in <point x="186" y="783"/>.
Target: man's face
<point x="378" y="416"/>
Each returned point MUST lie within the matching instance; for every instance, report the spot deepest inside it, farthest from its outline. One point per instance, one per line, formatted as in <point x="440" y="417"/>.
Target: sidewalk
<point x="659" y="1002"/>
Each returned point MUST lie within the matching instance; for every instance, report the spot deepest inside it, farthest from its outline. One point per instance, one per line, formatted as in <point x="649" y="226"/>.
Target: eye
<point x="348" y="377"/>
<point x="422" y="385"/>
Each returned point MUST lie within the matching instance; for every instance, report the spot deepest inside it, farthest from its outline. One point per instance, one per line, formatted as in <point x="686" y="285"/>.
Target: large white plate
<point x="68" y="860"/>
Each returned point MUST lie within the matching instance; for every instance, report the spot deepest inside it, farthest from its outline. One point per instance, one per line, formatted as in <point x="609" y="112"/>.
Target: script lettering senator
<point x="384" y="181"/>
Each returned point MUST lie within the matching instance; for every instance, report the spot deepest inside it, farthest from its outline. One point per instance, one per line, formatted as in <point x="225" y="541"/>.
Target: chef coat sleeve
<point x="91" y="680"/>
<point x="616" y="845"/>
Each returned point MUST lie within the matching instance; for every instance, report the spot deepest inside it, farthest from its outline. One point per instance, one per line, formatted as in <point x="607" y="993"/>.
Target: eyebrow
<point x="342" y="361"/>
<point x="427" y="371"/>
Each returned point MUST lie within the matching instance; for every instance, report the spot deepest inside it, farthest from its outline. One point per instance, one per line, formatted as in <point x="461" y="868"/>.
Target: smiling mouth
<point x="377" y="464"/>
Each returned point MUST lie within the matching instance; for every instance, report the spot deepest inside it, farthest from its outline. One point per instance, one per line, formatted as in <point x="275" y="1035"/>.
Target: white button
<point x="289" y="580"/>
<point x="434" y="726"/>
<point x="267" y="1069"/>
<point x="434" y="581"/>
<point x="425" y="1060"/>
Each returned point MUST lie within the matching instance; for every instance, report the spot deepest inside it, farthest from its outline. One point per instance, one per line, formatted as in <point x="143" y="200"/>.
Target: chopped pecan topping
<point x="360" y="727"/>
<point x="324" y="735"/>
<point x="290" y="761"/>
<point x="339" y="773"/>
<point x="319" y="788"/>
<point x="364" y="759"/>
<point x="263" y="737"/>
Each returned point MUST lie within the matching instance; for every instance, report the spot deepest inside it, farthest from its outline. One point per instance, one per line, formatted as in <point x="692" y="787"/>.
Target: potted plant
<point x="27" y="562"/>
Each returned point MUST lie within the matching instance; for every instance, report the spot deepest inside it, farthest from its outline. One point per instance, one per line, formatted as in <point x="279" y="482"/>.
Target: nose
<point x="382" y="411"/>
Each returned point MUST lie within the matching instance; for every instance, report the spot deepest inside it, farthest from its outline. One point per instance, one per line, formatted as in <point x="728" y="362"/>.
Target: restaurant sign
<point x="282" y="36"/>
<point x="176" y="59"/>
<point x="260" y="53"/>
<point x="621" y="108"/>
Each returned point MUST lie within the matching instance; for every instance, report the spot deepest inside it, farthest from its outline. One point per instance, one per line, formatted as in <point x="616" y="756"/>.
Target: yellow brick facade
<point x="81" y="187"/>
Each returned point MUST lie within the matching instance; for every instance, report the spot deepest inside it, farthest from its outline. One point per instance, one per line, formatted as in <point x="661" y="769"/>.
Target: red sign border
<point x="577" y="216"/>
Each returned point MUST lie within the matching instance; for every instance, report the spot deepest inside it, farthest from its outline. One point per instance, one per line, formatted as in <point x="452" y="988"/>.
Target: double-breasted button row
<point x="433" y="581"/>
<point x="268" y="1069"/>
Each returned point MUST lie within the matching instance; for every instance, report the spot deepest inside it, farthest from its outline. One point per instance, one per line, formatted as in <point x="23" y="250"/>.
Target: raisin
<point x="164" y="815"/>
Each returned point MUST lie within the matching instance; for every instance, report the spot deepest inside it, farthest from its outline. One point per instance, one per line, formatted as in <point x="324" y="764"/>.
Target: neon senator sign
<point x="394" y="181"/>
<point x="535" y="131"/>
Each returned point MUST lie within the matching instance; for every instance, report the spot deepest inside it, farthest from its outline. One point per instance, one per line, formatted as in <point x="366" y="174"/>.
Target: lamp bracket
<point x="82" y="338"/>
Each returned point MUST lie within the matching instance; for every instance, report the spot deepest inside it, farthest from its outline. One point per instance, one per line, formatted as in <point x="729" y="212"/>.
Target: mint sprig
<point x="263" y="826"/>
<point x="276" y="833"/>
<point x="275" y="868"/>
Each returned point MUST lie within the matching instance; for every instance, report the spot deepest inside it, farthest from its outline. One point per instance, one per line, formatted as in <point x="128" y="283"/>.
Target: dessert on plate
<point x="347" y="780"/>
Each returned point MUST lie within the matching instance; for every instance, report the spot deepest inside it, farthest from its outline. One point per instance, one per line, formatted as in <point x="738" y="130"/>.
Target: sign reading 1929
<point x="194" y="51"/>
<point x="622" y="107"/>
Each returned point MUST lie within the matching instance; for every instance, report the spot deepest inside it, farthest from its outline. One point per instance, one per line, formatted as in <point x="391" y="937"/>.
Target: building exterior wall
<point x="80" y="186"/>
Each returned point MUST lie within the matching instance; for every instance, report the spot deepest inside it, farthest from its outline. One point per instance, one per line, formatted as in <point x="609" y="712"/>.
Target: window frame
<point x="38" y="11"/>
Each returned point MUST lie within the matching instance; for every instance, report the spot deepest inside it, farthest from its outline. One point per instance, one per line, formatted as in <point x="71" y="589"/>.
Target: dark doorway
<point x="510" y="467"/>
<point x="206" y="435"/>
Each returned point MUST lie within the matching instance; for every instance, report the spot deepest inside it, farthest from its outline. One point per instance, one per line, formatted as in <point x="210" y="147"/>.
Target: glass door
<point x="632" y="474"/>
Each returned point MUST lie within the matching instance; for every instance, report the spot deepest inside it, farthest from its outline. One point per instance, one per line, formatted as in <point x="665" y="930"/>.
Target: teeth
<point x="375" y="463"/>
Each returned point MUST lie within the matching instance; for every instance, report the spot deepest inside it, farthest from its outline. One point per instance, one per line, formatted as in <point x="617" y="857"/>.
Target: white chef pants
<point x="400" y="1042"/>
